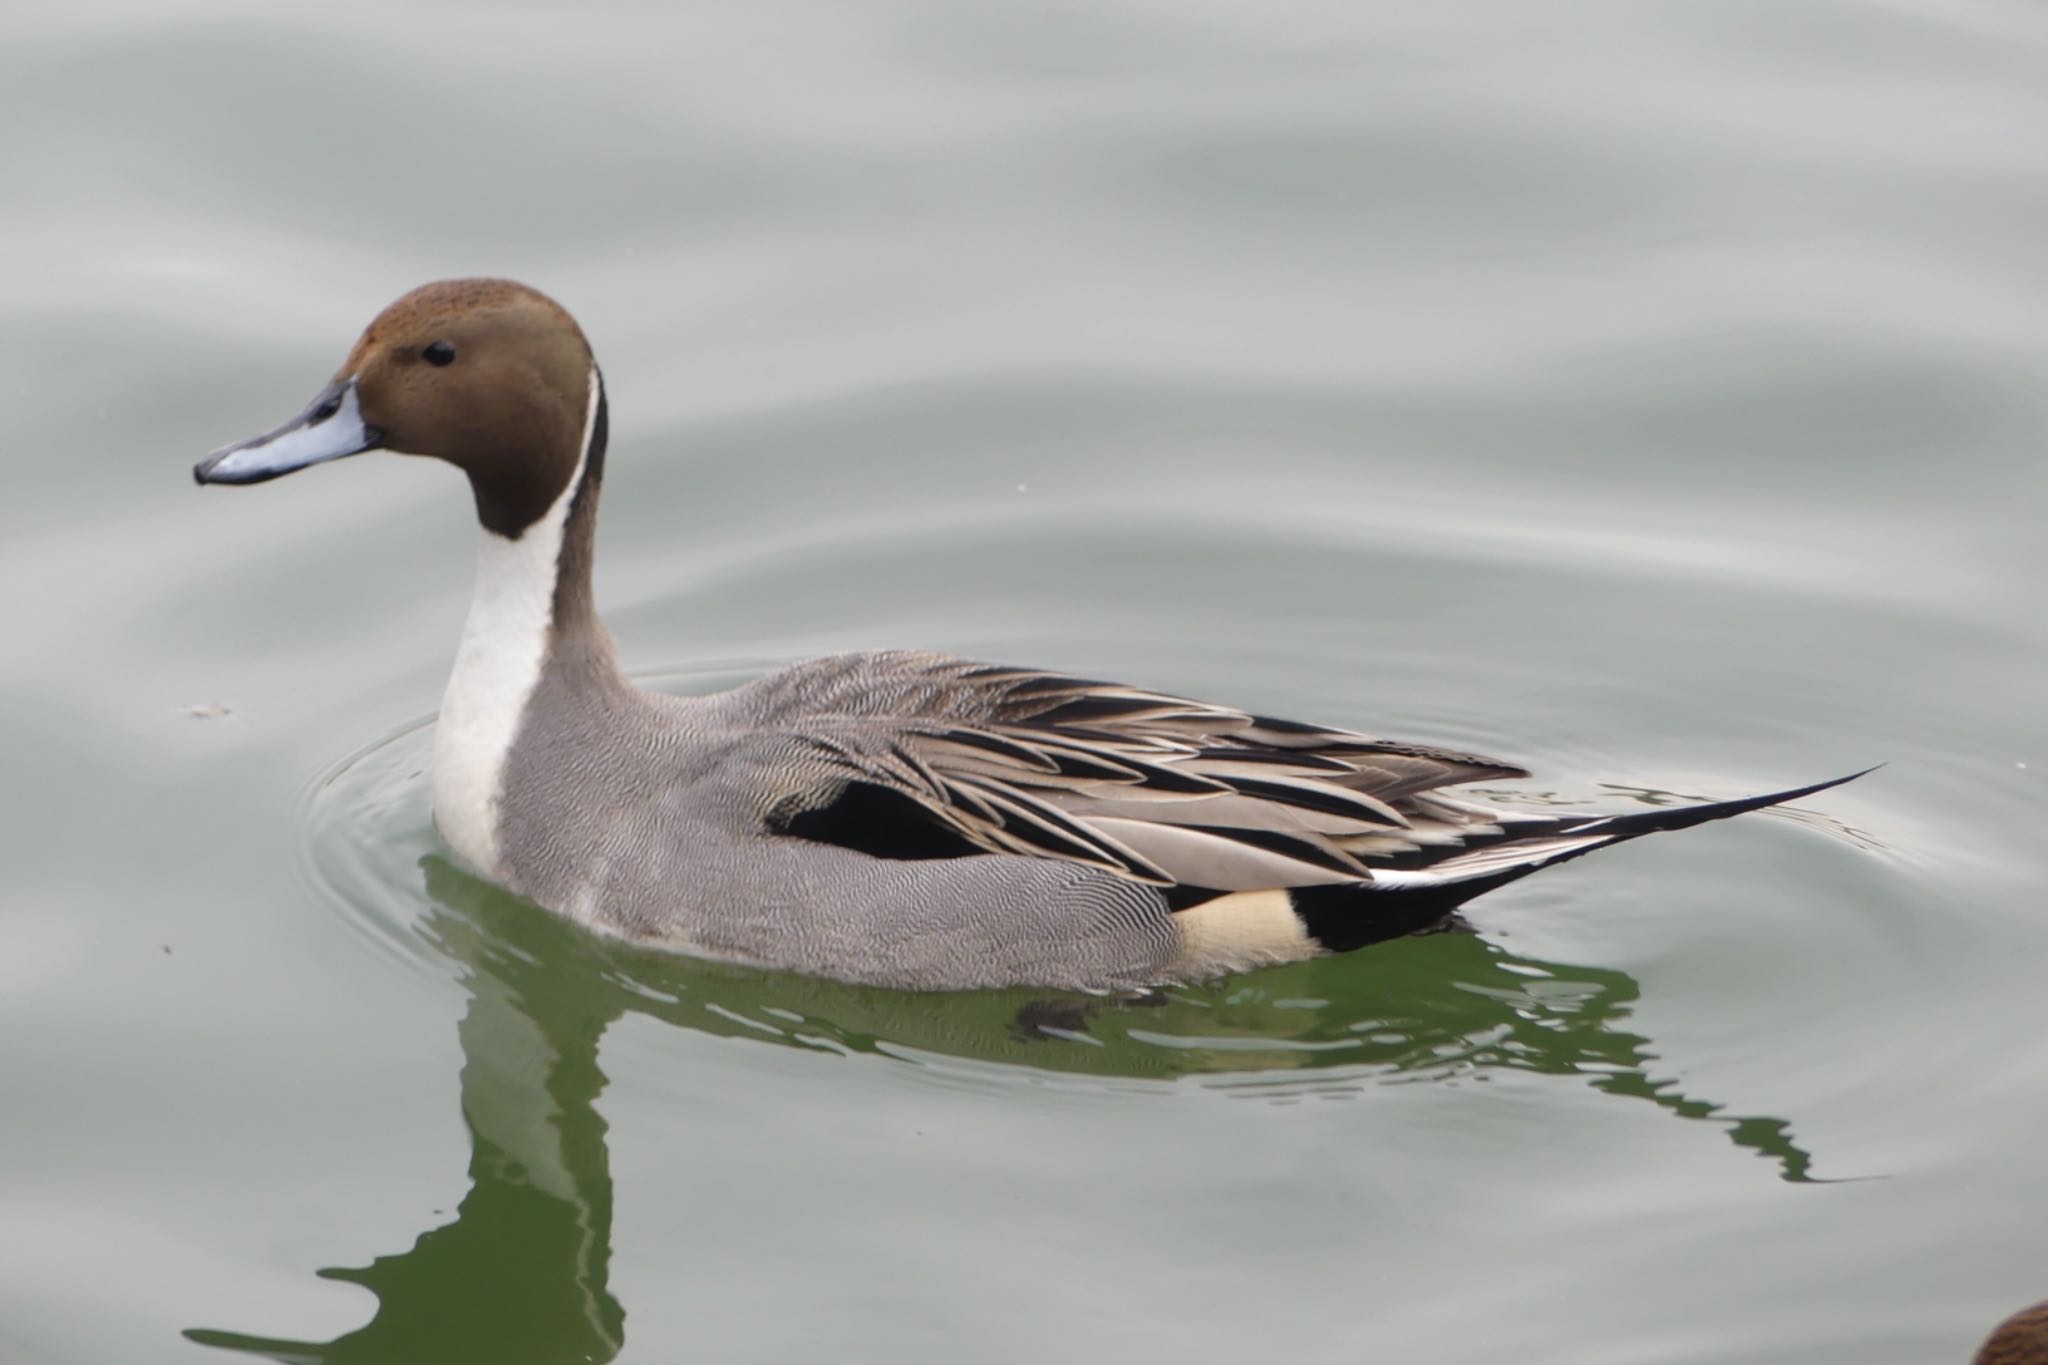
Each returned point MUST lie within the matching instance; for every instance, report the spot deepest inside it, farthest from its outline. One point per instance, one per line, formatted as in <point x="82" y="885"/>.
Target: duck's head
<point x="489" y="375"/>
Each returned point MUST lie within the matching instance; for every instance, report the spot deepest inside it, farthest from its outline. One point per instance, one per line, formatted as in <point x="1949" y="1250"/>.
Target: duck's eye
<point x="439" y="353"/>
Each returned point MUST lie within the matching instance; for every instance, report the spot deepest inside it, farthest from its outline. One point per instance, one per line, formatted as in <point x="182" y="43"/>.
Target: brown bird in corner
<point x="2021" y="1339"/>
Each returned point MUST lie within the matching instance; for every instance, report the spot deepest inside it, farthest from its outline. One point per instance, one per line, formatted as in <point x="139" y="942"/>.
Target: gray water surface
<point x="1653" y="395"/>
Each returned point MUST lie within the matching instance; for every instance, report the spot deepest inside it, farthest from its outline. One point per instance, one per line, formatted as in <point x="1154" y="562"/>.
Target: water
<point x="1650" y="395"/>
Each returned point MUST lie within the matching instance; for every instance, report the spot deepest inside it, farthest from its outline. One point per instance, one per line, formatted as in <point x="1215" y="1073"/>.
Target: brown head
<point x="489" y="375"/>
<point x="2021" y="1339"/>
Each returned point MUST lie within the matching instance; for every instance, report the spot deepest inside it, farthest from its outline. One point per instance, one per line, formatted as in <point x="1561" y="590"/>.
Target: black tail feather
<point x="1355" y="914"/>
<point x="1661" y="818"/>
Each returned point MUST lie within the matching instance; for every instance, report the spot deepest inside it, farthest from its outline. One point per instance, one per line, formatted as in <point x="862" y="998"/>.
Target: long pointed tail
<point x="1400" y="901"/>
<point x="1573" y="836"/>
<point x="1629" y="825"/>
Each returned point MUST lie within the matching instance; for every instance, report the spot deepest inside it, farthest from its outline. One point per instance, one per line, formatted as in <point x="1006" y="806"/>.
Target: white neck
<point x="497" y="666"/>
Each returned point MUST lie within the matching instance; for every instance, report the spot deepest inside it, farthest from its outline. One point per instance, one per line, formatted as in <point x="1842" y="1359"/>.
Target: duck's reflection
<point x="520" y="1274"/>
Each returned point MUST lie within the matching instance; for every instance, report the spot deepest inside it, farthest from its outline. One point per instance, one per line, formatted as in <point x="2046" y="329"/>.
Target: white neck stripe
<point x="497" y="666"/>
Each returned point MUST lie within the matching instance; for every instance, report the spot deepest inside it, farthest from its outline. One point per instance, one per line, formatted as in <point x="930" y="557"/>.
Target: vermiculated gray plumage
<point x="1031" y="828"/>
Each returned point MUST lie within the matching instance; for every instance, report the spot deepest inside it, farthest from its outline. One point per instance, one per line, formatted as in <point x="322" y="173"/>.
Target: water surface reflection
<point x="521" y="1273"/>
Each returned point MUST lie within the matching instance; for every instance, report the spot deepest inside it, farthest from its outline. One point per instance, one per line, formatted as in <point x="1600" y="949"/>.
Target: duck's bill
<point x="331" y="426"/>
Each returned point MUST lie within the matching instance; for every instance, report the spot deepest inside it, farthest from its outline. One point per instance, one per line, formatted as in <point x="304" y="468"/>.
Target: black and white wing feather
<point x="1153" y="787"/>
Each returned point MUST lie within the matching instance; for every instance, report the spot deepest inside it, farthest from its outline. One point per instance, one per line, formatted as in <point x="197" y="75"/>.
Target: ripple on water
<point x="368" y="826"/>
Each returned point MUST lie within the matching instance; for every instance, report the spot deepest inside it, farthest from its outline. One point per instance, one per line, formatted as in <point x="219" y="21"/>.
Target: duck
<point x="896" y="818"/>
<point x="2021" y="1339"/>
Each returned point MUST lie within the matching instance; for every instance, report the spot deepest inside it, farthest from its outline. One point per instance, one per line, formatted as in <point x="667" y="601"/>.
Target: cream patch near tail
<point x="1244" y="929"/>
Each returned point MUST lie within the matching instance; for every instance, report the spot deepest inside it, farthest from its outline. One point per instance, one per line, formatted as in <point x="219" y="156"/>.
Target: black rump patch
<point x="1353" y="915"/>
<point x="878" y="822"/>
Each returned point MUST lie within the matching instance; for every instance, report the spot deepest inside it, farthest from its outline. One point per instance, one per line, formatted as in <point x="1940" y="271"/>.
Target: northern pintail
<point x="905" y="819"/>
